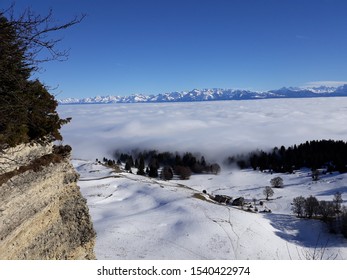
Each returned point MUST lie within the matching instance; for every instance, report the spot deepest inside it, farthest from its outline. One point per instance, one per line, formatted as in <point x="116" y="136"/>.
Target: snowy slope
<point x="141" y="218"/>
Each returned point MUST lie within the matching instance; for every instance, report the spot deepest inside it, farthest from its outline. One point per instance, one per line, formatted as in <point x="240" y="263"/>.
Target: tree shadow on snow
<point x="334" y="191"/>
<point x="304" y="232"/>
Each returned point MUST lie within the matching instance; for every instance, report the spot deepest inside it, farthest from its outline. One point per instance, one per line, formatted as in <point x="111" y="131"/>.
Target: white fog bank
<point x="216" y="129"/>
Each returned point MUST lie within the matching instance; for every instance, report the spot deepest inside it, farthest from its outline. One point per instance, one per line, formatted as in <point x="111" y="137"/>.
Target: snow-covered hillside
<point x="138" y="217"/>
<point x="214" y="94"/>
<point x="141" y="218"/>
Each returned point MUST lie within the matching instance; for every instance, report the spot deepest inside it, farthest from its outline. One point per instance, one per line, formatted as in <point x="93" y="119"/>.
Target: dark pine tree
<point x="27" y="109"/>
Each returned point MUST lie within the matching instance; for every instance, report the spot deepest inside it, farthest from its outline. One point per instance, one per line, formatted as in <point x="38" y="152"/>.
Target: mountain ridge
<point x="213" y="94"/>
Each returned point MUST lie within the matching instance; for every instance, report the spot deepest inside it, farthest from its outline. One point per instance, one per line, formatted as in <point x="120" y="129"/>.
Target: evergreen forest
<point x="330" y="155"/>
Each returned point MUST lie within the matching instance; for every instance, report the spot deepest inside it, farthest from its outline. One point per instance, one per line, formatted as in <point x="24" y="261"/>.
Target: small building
<point x="222" y="198"/>
<point x="238" y="201"/>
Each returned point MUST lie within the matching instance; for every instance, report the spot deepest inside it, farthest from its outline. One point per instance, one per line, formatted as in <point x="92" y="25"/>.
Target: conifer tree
<point x="153" y="171"/>
<point x="27" y="109"/>
<point x="141" y="167"/>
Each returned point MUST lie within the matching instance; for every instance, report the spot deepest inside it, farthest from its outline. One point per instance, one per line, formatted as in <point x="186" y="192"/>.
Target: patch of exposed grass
<point x="200" y="196"/>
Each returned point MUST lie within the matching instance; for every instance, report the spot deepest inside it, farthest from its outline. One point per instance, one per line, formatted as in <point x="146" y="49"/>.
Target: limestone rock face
<point x="20" y="155"/>
<point x="42" y="212"/>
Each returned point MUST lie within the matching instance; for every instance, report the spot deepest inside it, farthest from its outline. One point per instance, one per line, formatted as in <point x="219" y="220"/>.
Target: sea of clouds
<point x="216" y="129"/>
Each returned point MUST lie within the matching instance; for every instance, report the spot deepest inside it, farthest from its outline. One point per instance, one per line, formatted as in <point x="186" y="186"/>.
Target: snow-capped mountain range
<point x="214" y="94"/>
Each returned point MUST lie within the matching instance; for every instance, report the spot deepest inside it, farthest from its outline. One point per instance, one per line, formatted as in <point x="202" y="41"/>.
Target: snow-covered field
<point x="141" y="218"/>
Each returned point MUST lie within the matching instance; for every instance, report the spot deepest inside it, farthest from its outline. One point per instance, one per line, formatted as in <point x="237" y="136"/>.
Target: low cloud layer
<point x="215" y="129"/>
<point x="325" y="83"/>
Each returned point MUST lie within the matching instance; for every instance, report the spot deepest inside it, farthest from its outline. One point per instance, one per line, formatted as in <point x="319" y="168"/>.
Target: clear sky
<point x="154" y="46"/>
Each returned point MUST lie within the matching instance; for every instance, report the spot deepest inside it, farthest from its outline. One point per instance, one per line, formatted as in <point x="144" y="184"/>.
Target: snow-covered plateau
<point x="138" y="217"/>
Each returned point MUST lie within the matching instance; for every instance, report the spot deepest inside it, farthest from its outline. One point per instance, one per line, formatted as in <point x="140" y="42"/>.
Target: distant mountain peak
<point x="215" y="94"/>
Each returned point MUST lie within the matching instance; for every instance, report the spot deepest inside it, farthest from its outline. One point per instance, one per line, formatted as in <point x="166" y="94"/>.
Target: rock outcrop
<point x="42" y="212"/>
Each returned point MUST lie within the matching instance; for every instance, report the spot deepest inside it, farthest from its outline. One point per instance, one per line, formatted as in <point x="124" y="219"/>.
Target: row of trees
<point x="149" y="163"/>
<point x="330" y="212"/>
<point x="312" y="154"/>
<point x="310" y="206"/>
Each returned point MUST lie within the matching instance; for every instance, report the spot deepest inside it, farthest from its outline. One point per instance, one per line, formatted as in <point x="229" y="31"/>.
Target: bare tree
<point x="276" y="182"/>
<point x="268" y="192"/>
<point x="311" y="206"/>
<point x="299" y="206"/>
<point x="184" y="172"/>
<point x="319" y="251"/>
<point x="35" y="31"/>
<point x="337" y="202"/>
<point x="326" y="209"/>
<point x="315" y="174"/>
<point x="343" y="218"/>
<point x="215" y="168"/>
<point x="167" y="173"/>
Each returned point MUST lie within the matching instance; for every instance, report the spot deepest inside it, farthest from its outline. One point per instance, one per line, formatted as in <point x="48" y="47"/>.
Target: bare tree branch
<point x="34" y="31"/>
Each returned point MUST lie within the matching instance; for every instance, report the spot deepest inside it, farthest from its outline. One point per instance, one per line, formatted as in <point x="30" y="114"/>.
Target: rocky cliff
<point x="42" y="212"/>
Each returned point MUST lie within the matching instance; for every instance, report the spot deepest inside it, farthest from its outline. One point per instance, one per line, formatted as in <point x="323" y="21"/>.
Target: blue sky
<point x="154" y="46"/>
